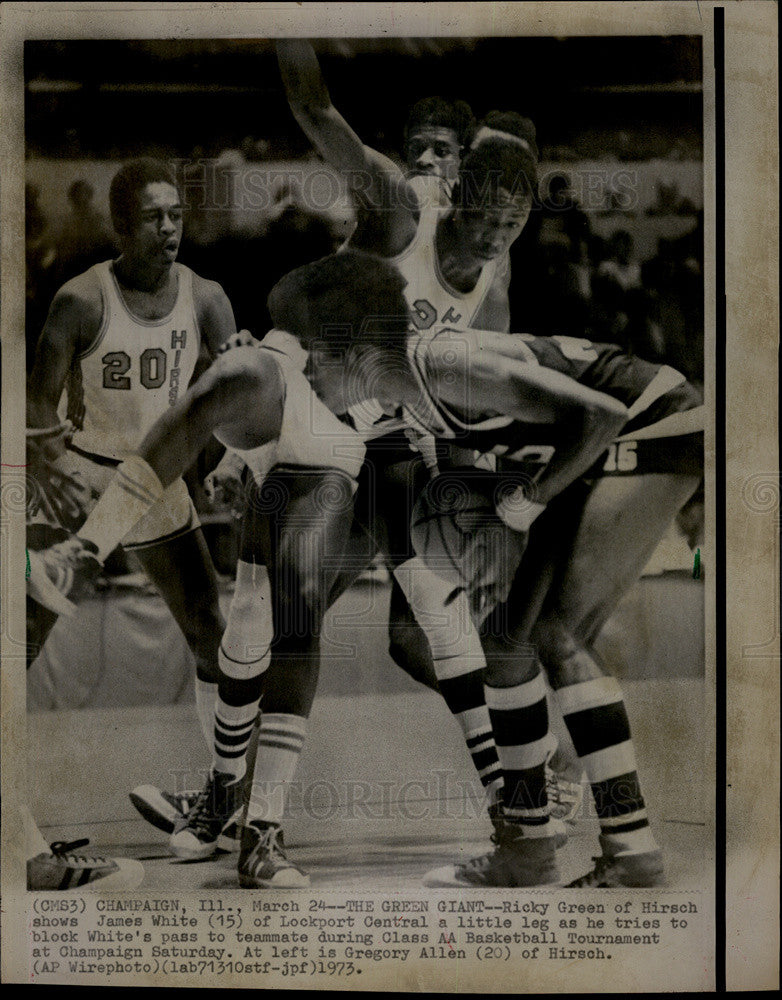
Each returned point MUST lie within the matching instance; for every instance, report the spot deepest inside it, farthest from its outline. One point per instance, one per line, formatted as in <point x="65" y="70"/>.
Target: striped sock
<point x="233" y="728"/>
<point x="519" y="718"/>
<point x="464" y="696"/>
<point x="596" y="718"/>
<point x="445" y="618"/>
<point x="280" y="742"/>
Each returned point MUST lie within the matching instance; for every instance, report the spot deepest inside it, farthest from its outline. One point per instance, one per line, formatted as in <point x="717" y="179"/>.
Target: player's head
<point x="146" y="210"/>
<point x="497" y="184"/>
<point x="436" y="133"/>
<point x="348" y="310"/>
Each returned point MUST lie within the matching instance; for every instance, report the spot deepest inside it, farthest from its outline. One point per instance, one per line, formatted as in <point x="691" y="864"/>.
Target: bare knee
<point x="565" y="660"/>
<point x="509" y="663"/>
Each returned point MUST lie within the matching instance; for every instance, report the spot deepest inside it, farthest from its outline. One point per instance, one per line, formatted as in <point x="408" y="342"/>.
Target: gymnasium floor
<point x="384" y="789"/>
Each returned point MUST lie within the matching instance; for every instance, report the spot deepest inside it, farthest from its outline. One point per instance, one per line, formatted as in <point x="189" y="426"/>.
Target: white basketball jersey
<point x="432" y="301"/>
<point x="311" y="436"/>
<point x="134" y="370"/>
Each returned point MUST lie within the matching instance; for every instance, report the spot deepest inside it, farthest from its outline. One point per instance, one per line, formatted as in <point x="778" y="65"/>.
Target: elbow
<point x="605" y="419"/>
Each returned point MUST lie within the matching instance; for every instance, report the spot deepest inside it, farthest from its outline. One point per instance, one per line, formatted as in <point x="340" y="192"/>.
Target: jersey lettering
<point x="424" y="314"/>
<point x="622" y="456"/>
<point x="114" y="377"/>
<point x="178" y="339"/>
<point x="451" y="316"/>
<point x="153" y="368"/>
<point x="153" y="364"/>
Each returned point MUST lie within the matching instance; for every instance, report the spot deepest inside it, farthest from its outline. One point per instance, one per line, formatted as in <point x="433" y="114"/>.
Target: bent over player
<point x="277" y="426"/>
<point x="118" y="350"/>
<point x="584" y="552"/>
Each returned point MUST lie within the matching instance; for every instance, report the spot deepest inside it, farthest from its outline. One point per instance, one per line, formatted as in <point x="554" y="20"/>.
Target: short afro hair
<point x="347" y="299"/>
<point x="506" y="160"/>
<point x="442" y="113"/>
<point x="126" y="184"/>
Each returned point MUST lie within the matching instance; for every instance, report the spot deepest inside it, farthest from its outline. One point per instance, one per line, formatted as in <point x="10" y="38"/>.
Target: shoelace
<point x="497" y="838"/>
<point x="198" y="816"/>
<point x="602" y="864"/>
<point x="272" y="841"/>
<point x="64" y="849"/>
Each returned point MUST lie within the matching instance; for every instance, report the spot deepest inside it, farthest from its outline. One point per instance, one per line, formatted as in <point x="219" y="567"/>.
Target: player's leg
<point x="181" y="569"/>
<point x="308" y="541"/>
<point x="243" y="657"/>
<point x="512" y="661"/>
<point x="623" y="521"/>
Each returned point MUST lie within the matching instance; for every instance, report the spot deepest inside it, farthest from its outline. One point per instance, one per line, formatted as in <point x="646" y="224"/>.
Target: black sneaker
<point x="196" y="836"/>
<point x="613" y="871"/>
<point x="516" y="862"/>
<point x="164" y="810"/>
<point x="263" y="863"/>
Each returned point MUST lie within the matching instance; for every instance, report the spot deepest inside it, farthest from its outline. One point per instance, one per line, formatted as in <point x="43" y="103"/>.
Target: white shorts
<point x="172" y="515"/>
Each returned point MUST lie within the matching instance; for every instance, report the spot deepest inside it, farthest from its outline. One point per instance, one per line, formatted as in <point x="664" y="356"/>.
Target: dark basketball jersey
<point x="660" y="401"/>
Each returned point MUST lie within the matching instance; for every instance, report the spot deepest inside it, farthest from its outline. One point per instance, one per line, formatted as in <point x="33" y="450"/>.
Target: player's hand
<point x="57" y="489"/>
<point x="224" y="484"/>
<point x="518" y="510"/>
<point x="241" y="339"/>
<point x="490" y="556"/>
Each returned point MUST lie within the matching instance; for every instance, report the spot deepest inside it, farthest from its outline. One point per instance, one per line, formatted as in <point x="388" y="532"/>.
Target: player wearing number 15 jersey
<point x="118" y="349"/>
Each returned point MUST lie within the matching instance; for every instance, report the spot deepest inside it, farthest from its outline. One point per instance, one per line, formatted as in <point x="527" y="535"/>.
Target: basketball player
<point x="583" y="555"/>
<point x="118" y="349"/>
<point x="269" y="418"/>
<point x="457" y="266"/>
<point x="437" y="133"/>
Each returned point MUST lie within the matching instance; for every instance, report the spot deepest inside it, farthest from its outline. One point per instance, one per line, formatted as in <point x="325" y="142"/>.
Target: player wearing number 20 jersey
<point x="133" y="370"/>
<point x="118" y="349"/>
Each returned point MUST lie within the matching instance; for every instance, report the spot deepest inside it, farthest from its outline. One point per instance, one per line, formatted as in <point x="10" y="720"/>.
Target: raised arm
<point x="386" y="205"/>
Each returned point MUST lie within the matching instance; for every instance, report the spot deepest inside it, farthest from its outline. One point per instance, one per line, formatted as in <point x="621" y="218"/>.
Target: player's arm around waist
<point x="530" y="393"/>
<point x="215" y="314"/>
<point x="240" y="396"/>
<point x="73" y="323"/>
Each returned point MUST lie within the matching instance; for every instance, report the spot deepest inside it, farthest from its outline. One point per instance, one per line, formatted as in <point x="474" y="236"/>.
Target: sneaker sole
<point x="446" y="878"/>
<point x="230" y="838"/>
<point x="192" y="853"/>
<point x="250" y="882"/>
<point x="42" y="590"/>
<point x="154" y="808"/>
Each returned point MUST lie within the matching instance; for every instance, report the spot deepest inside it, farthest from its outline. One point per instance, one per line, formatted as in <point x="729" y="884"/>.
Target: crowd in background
<point x="567" y="278"/>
